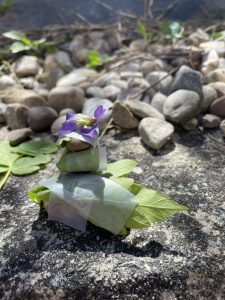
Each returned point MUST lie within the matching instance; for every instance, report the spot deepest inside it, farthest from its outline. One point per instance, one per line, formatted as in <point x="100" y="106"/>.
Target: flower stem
<point x="4" y="179"/>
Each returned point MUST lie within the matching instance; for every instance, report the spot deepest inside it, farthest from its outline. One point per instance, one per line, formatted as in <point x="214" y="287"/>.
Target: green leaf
<point x="95" y="59"/>
<point x="172" y="29"/>
<point x="152" y="207"/>
<point x="28" y="165"/>
<point x="39" y="194"/>
<point x="15" y="35"/>
<point x="218" y="35"/>
<point x="120" y="168"/>
<point x="19" y="47"/>
<point x="144" y="33"/>
<point x="33" y="148"/>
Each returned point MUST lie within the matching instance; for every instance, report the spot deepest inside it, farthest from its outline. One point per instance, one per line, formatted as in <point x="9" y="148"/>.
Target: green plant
<point x="95" y="59"/>
<point x="218" y="35"/>
<point x="23" y="43"/>
<point x="5" y="5"/>
<point x="144" y="33"/>
<point x="24" y="159"/>
<point x="171" y="30"/>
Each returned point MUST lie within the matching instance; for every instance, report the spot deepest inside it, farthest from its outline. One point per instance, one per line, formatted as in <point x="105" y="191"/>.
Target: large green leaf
<point x="120" y="168"/>
<point x="27" y="165"/>
<point x="34" y="148"/>
<point x="17" y="47"/>
<point x="15" y="35"/>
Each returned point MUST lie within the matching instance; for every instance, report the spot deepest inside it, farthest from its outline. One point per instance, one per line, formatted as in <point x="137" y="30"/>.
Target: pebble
<point x="191" y="124"/>
<point x="217" y="108"/>
<point x="40" y="118"/>
<point x="104" y="79"/>
<point x="131" y="67"/>
<point x="53" y="76"/>
<point x="181" y="106"/>
<point x="64" y="111"/>
<point x="66" y="97"/>
<point x="130" y="74"/>
<point x="16" y="116"/>
<point x="122" y="84"/>
<point x="219" y="87"/>
<point x="216" y="75"/>
<point x="22" y="96"/>
<point x="17" y="136"/>
<point x="56" y="125"/>
<point x="138" y="45"/>
<point x="27" y="65"/>
<point x="63" y="60"/>
<point x="209" y="95"/>
<point x="187" y="79"/>
<point x="198" y="37"/>
<point x="210" y="62"/>
<point x="218" y="46"/>
<point x="210" y="121"/>
<point x="71" y="79"/>
<point x="123" y="117"/>
<point x="90" y="106"/>
<point x="148" y="67"/>
<point x="76" y="145"/>
<point x="155" y="132"/>
<point x="164" y="84"/>
<point x="158" y="101"/>
<point x="111" y="92"/>
<point x="3" y="108"/>
<point x="95" y="91"/>
<point x="143" y="110"/>
<point x="138" y="82"/>
<point x="222" y="127"/>
<point x="6" y="81"/>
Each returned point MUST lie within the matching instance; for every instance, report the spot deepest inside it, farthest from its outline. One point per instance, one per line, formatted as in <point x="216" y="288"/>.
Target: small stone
<point x="209" y="95"/>
<point x="187" y="79"/>
<point x="217" y="108"/>
<point x="143" y="110"/>
<point x="163" y="85"/>
<point x="66" y="97"/>
<point x="148" y="67"/>
<point x="138" y="82"/>
<point x="219" y="87"/>
<point x="77" y="145"/>
<point x="104" y="79"/>
<point x="44" y="93"/>
<point x="199" y="37"/>
<point x="210" y="121"/>
<point x="131" y="67"/>
<point x="22" y="96"/>
<point x="129" y="74"/>
<point x="155" y="132"/>
<point x="218" y="46"/>
<point x="19" y="135"/>
<point x="138" y="45"/>
<point x="29" y="83"/>
<point x="80" y="56"/>
<point x="77" y="45"/>
<point x="16" y="116"/>
<point x="3" y="108"/>
<point x="95" y="91"/>
<point x="181" y="106"/>
<point x="90" y="106"/>
<point x="56" y="125"/>
<point x="210" y="62"/>
<point x="26" y="66"/>
<point x="216" y="75"/>
<point x="111" y="92"/>
<point x="63" y="60"/>
<point x="191" y="124"/>
<point x="158" y="101"/>
<point x="41" y="118"/>
<point x="222" y="127"/>
<point x="6" y="81"/>
<point x="133" y="93"/>
<point x="71" y="79"/>
<point x="65" y="111"/>
<point x="123" y="117"/>
<point x="122" y="84"/>
<point x="53" y="76"/>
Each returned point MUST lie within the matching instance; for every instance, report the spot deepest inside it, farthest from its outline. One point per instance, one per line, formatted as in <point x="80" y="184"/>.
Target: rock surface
<point x="143" y="110"/>
<point x="155" y="132"/>
<point x="40" y="118"/>
<point x="181" y="258"/>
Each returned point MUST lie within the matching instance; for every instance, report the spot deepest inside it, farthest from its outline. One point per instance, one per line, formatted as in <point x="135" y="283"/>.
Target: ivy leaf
<point x="120" y="168"/>
<point x="34" y="148"/>
<point x="28" y="165"/>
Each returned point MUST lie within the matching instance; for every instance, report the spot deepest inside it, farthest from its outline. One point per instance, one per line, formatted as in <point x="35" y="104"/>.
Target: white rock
<point x="26" y="66"/>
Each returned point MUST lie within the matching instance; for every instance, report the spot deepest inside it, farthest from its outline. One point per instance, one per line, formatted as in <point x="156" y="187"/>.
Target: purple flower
<point x="81" y="126"/>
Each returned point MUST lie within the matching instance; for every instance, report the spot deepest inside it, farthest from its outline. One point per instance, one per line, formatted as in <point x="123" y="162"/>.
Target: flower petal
<point x="66" y="127"/>
<point x="70" y="116"/>
<point x="99" y="112"/>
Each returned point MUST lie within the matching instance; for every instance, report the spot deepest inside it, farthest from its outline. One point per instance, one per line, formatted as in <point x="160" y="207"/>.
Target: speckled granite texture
<point x="182" y="258"/>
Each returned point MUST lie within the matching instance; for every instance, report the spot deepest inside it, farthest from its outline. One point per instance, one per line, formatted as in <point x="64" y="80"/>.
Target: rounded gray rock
<point x="66" y="97"/>
<point x="95" y="91"/>
<point x="209" y="95"/>
<point x="16" y="116"/>
<point x="164" y="84"/>
<point x="158" y="101"/>
<point x="187" y="79"/>
<point x="40" y="118"/>
<point x="123" y="117"/>
<point x="210" y="121"/>
<point x="181" y="106"/>
<point x="155" y="133"/>
<point x="19" y="135"/>
<point x="3" y="108"/>
<point x="56" y="125"/>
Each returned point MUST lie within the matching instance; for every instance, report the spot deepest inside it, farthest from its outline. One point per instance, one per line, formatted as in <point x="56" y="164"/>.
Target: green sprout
<point x="171" y="30"/>
<point x="23" y="43"/>
<point x="144" y="33"/>
<point x="95" y="59"/>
